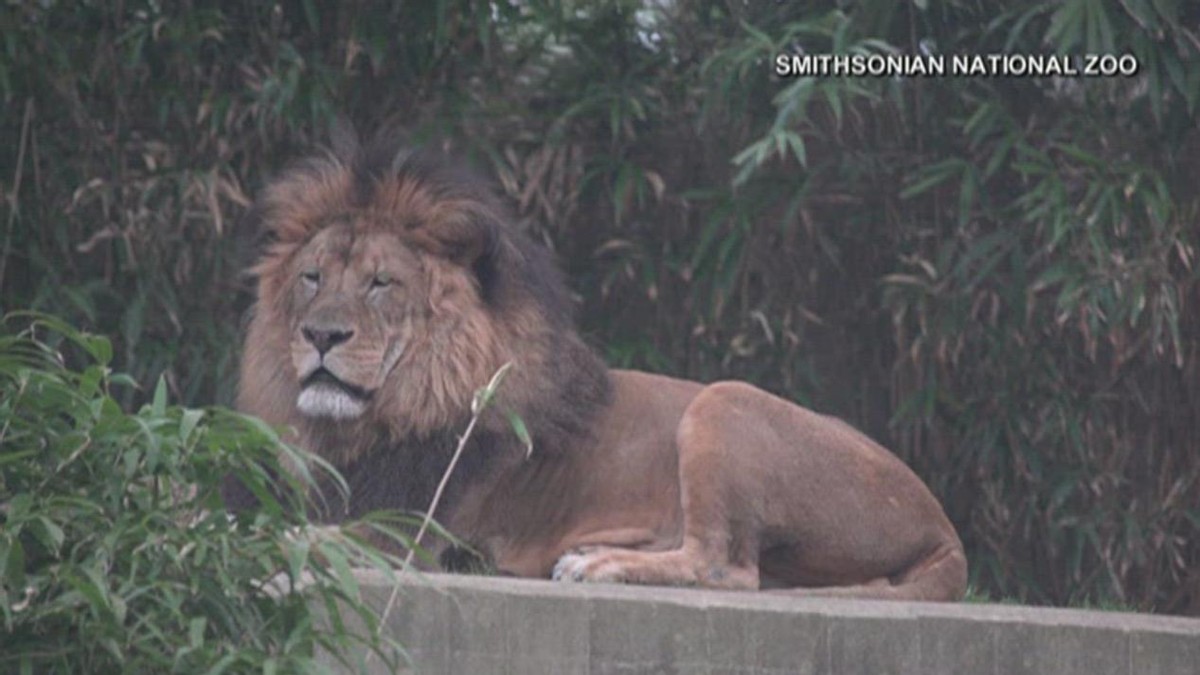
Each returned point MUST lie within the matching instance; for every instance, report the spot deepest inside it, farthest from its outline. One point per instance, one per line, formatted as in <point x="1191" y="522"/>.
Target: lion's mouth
<point x="321" y="377"/>
<point x="323" y="394"/>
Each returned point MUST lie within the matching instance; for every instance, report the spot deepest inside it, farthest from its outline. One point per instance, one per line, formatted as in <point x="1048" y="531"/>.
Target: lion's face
<point x="358" y="300"/>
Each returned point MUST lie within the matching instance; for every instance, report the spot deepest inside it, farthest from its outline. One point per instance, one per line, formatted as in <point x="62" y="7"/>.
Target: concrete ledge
<point x="465" y="624"/>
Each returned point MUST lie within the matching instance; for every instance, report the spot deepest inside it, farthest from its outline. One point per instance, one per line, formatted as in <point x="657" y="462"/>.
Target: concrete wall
<point x="479" y="625"/>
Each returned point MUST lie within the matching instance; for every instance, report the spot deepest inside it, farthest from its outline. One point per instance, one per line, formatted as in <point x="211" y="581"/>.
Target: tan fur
<point x="634" y="477"/>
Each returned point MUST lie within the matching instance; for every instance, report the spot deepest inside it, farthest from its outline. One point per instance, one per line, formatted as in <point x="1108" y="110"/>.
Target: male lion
<point x="393" y="289"/>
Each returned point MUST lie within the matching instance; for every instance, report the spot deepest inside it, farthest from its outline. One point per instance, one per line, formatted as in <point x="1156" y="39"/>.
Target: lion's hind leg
<point x="720" y="538"/>
<point x="940" y="576"/>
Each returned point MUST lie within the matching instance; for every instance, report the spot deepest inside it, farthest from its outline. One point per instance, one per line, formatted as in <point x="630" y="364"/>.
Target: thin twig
<point x="478" y="405"/>
<point x="437" y="495"/>
<point x="16" y="189"/>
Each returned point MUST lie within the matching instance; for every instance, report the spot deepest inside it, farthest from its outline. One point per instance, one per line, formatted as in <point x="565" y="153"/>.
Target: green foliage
<point x="116" y="553"/>
<point x="994" y="276"/>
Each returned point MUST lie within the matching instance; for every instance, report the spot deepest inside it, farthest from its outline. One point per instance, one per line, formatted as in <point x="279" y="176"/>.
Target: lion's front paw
<point x="587" y="566"/>
<point x="568" y="568"/>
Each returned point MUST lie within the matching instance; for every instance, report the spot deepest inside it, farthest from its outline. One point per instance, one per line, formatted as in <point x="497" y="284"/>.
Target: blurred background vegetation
<point x="994" y="276"/>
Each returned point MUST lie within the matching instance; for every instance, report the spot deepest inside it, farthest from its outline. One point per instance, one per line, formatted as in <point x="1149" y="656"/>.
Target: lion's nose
<point x="324" y="338"/>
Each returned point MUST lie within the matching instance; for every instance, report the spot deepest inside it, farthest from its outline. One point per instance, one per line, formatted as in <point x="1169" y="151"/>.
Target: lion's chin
<point x="329" y="401"/>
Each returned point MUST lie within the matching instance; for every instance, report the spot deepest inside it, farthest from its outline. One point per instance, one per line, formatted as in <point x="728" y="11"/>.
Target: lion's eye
<point x="311" y="276"/>
<point x="381" y="280"/>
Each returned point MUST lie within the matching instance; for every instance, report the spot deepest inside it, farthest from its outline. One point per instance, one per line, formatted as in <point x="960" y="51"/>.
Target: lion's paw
<point x="577" y="566"/>
<point x="568" y="568"/>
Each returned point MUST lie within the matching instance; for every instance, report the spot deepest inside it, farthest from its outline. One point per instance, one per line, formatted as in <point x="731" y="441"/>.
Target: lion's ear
<point x="469" y="240"/>
<point x="462" y="240"/>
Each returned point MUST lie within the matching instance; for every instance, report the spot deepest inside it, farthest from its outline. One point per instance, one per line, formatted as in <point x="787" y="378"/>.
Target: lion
<point x="395" y="285"/>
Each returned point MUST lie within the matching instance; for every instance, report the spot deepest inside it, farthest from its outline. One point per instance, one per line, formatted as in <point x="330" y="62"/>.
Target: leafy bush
<point x="116" y="554"/>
